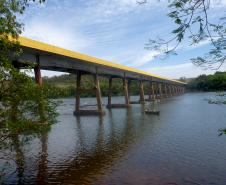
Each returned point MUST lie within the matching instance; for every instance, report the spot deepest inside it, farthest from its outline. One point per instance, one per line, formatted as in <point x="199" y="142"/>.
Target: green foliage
<point x="25" y="109"/>
<point x="192" y="22"/>
<point x="65" y="86"/>
<point x="222" y="131"/>
<point x="21" y="99"/>
<point x="216" y="82"/>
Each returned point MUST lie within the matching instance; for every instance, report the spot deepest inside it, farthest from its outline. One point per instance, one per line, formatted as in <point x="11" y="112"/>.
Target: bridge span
<point x="48" y="57"/>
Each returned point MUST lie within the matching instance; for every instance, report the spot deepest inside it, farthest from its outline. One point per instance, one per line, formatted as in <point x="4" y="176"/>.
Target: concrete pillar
<point x="160" y="90"/>
<point x="126" y="94"/>
<point x="37" y="71"/>
<point x="38" y="80"/>
<point x="173" y="90"/>
<point x="150" y="91"/>
<point x="78" y="87"/>
<point x="109" y="91"/>
<point x="166" y="92"/>
<point x="95" y="89"/>
<point x="142" y="100"/>
<point x="170" y="91"/>
<point x="153" y="91"/>
<point x="129" y="83"/>
<point x="98" y="93"/>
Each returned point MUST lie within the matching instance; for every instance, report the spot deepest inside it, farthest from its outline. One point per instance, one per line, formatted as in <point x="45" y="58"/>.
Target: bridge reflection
<point x="97" y="153"/>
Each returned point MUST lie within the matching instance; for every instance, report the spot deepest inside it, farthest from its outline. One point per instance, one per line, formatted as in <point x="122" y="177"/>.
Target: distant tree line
<point x="65" y="86"/>
<point x="215" y="82"/>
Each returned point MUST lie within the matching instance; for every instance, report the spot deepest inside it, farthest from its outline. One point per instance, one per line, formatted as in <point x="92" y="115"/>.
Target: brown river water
<point x="181" y="146"/>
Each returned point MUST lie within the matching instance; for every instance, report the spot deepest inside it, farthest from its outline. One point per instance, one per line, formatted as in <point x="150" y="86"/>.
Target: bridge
<point x="48" y="57"/>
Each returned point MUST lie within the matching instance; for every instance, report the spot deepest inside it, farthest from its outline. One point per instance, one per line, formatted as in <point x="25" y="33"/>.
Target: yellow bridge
<point x="48" y="57"/>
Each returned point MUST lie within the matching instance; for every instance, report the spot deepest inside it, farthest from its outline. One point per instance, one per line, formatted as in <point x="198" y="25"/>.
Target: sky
<point x="117" y="31"/>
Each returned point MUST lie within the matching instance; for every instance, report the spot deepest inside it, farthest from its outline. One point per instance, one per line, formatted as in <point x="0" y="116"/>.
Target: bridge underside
<point x="42" y="58"/>
<point x="54" y="62"/>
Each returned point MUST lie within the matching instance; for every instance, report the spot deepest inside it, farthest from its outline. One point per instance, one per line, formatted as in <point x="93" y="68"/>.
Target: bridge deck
<point x="59" y="59"/>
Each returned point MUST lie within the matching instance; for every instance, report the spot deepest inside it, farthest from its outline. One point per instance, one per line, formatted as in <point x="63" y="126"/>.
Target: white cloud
<point x="102" y="28"/>
<point x="201" y="43"/>
<point x="103" y="11"/>
<point x="56" y="35"/>
<point x="145" y="58"/>
<point x="194" y="46"/>
<point x="182" y="70"/>
<point x="51" y="73"/>
<point x="217" y="3"/>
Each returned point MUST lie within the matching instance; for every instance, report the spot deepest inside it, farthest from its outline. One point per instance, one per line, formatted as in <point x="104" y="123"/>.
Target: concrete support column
<point x="142" y="100"/>
<point x="78" y="87"/>
<point x="129" y="83"/>
<point x="174" y="92"/>
<point x="109" y="91"/>
<point x="98" y="93"/>
<point x="37" y="71"/>
<point x="160" y="90"/>
<point x="166" y="92"/>
<point x="126" y="94"/>
<point x="38" y="80"/>
<point x="153" y="91"/>
<point x="95" y="89"/>
<point x="150" y="91"/>
<point x="170" y="90"/>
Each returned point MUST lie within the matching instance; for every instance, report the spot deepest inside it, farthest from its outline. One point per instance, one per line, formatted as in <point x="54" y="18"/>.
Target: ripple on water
<point x="181" y="146"/>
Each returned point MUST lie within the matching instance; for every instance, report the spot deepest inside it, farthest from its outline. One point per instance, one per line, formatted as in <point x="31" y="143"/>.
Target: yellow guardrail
<point x="60" y="51"/>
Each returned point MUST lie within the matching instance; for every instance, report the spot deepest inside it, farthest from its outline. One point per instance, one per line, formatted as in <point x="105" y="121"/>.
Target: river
<point x="181" y="146"/>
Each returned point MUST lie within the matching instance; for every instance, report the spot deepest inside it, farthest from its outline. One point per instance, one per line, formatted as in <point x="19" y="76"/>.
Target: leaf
<point x="178" y="21"/>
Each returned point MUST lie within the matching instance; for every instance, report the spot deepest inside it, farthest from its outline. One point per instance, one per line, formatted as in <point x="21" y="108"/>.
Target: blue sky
<point x="115" y="30"/>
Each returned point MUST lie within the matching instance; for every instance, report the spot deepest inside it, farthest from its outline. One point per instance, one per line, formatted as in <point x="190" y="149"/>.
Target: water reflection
<point x="42" y="161"/>
<point x="129" y="147"/>
<point x="109" y="143"/>
<point x="19" y="158"/>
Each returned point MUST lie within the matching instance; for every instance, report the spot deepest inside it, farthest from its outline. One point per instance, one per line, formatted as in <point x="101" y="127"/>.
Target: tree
<point x="25" y="110"/>
<point x="191" y="18"/>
